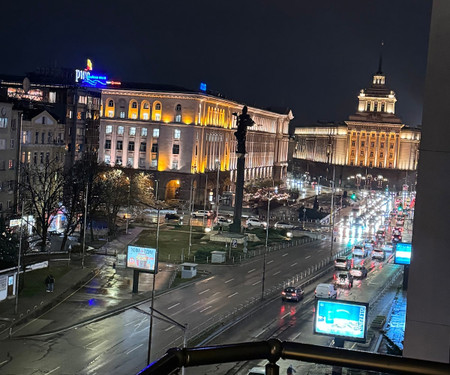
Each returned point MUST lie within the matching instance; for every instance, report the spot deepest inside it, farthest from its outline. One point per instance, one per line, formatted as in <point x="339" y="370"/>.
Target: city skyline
<point x="311" y="58"/>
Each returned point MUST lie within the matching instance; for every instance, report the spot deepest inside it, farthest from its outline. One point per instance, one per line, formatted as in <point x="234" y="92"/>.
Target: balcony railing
<point x="274" y="350"/>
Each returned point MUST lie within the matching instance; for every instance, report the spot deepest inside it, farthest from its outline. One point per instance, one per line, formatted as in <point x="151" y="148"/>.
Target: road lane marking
<point x="171" y="307"/>
<point x="309" y="256"/>
<point x="232" y="295"/>
<point x="270" y="261"/>
<point x="293" y="264"/>
<point x="256" y="283"/>
<point x="205" y="281"/>
<point x="307" y="300"/>
<point x="298" y="334"/>
<point x="168" y="328"/>
<point x="56" y="368"/>
<point x="259" y="334"/>
<point x="206" y="308"/>
<point x="285" y="254"/>
<point x="253" y="269"/>
<point x="226" y="282"/>
<point x="276" y="273"/>
<point x="207" y="290"/>
<point x="285" y="315"/>
<point x="132" y="350"/>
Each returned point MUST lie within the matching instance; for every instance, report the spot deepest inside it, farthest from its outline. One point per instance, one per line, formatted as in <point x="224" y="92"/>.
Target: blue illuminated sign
<point x="142" y="258"/>
<point x="344" y="319"/>
<point x="202" y="86"/>
<point x="87" y="77"/>
<point x="402" y="253"/>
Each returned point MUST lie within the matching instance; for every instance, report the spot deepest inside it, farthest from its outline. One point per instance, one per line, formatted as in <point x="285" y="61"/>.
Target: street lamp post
<point x="217" y="187"/>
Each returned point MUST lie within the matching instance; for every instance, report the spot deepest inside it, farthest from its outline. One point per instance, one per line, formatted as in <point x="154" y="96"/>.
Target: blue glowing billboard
<point x="144" y="259"/>
<point x="402" y="253"/>
<point x="343" y="319"/>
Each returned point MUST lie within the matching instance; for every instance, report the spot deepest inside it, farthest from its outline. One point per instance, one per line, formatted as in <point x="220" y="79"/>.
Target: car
<point x="325" y="291"/>
<point x="174" y="218"/>
<point x="358" y="271"/>
<point x="223" y="221"/>
<point x="257" y="371"/>
<point x="359" y="251"/>
<point x="292" y="294"/>
<point x="378" y="254"/>
<point x="255" y="222"/>
<point x="343" y="280"/>
<point x="201" y="213"/>
<point x="397" y="238"/>
<point x="342" y="263"/>
<point x="283" y="225"/>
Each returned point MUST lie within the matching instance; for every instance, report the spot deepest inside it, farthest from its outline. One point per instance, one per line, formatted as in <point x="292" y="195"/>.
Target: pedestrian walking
<point x="47" y="283"/>
<point x="290" y="370"/>
<point x="52" y="283"/>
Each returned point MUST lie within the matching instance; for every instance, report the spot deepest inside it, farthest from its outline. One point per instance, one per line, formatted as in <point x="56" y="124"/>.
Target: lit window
<point x="134" y="116"/>
<point x="131" y="146"/>
<point x="122" y="114"/>
<point x="110" y="114"/>
<point x="178" y="118"/>
<point x="120" y="130"/>
<point x="157" y="117"/>
<point x="155" y="133"/>
<point x="132" y="131"/>
<point x="143" y="132"/>
<point x="3" y="122"/>
<point x="130" y="162"/>
<point x="52" y="97"/>
<point x="175" y="164"/>
<point x="154" y="163"/>
<point x="108" y="129"/>
<point x="108" y="159"/>
<point x="177" y="134"/>
<point x="119" y="160"/>
<point x="145" y="116"/>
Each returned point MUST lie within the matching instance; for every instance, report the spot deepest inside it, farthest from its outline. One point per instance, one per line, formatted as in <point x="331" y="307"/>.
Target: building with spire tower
<point x="373" y="148"/>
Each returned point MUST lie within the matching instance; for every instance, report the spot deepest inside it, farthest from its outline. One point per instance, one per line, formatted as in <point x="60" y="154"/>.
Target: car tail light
<point x="294" y="294"/>
<point x="283" y="293"/>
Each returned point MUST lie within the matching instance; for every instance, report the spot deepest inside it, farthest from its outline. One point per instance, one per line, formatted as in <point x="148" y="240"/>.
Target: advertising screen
<point x="142" y="258"/>
<point x="344" y="319"/>
<point x="402" y="253"/>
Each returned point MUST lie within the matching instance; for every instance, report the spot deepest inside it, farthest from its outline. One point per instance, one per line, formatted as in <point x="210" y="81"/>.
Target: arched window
<point x="109" y="110"/>
<point x="178" y="108"/>
<point x="133" y="109"/>
<point x="157" y="109"/>
<point x="145" y="110"/>
<point x="110" y="103"/>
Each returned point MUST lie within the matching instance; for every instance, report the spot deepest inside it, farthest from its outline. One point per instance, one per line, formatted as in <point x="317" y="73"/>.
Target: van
<point x="325" y="291"/>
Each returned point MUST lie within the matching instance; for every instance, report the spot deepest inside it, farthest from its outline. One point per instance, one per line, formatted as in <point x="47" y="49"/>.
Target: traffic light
<point x="400" y="207"/>
<point x="353" y="196"/>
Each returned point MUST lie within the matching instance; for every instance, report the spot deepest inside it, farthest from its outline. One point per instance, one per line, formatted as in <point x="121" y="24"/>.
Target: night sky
<point x="312" y="56"/>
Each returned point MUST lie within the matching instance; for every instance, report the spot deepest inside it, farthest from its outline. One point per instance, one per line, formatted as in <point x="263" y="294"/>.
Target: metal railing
<point x="273" y="350"/>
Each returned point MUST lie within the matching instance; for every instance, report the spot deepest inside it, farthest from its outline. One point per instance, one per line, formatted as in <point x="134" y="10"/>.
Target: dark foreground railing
<point x="273" y="350"/>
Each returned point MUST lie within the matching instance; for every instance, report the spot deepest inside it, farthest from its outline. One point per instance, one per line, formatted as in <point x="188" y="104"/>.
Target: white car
<point x="283" y="225"/>
<point x="201" y="213"/>
<point x="255" y="222"/>
<point x="223" y="221"/>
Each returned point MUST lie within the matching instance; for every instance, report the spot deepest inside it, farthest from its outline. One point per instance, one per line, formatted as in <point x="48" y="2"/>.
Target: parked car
<point x="325" y="291"/>
<point x="255" y="222"/>
<point x="292" y="294"/>
<point x="283" y="225"/>
<point x="201" y="213"/>
<point x="343" y="280"/>
<point x="342" y="263"/>
<point x="223" y="221"/>
<point x="358" y="271"/>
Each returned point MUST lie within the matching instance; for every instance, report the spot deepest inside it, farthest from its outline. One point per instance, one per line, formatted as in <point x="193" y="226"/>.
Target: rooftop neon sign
<point x="88" y="78"/>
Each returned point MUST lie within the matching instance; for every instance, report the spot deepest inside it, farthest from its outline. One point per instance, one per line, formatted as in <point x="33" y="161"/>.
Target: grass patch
<point x="33" y="282"/>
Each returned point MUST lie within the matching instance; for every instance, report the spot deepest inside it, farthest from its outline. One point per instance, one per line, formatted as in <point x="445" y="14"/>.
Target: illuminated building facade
<point x="373" y="142"/>
<point x="181" y="134"/>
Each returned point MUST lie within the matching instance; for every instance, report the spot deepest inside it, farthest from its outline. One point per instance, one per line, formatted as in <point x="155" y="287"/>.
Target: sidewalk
<point x="70" y="276"/>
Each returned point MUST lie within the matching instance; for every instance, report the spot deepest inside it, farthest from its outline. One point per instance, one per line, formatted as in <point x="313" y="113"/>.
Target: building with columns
<point x="182" y="135"/>
<point x="373" y="143"/>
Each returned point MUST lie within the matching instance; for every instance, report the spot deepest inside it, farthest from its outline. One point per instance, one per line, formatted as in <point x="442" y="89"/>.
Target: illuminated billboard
<point x="402" y="253"/>
<point x="143" y="259"/>
<point x="343" y="319"/>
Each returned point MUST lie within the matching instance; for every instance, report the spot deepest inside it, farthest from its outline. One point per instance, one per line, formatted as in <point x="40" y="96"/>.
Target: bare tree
<point x="41" y="189"/>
